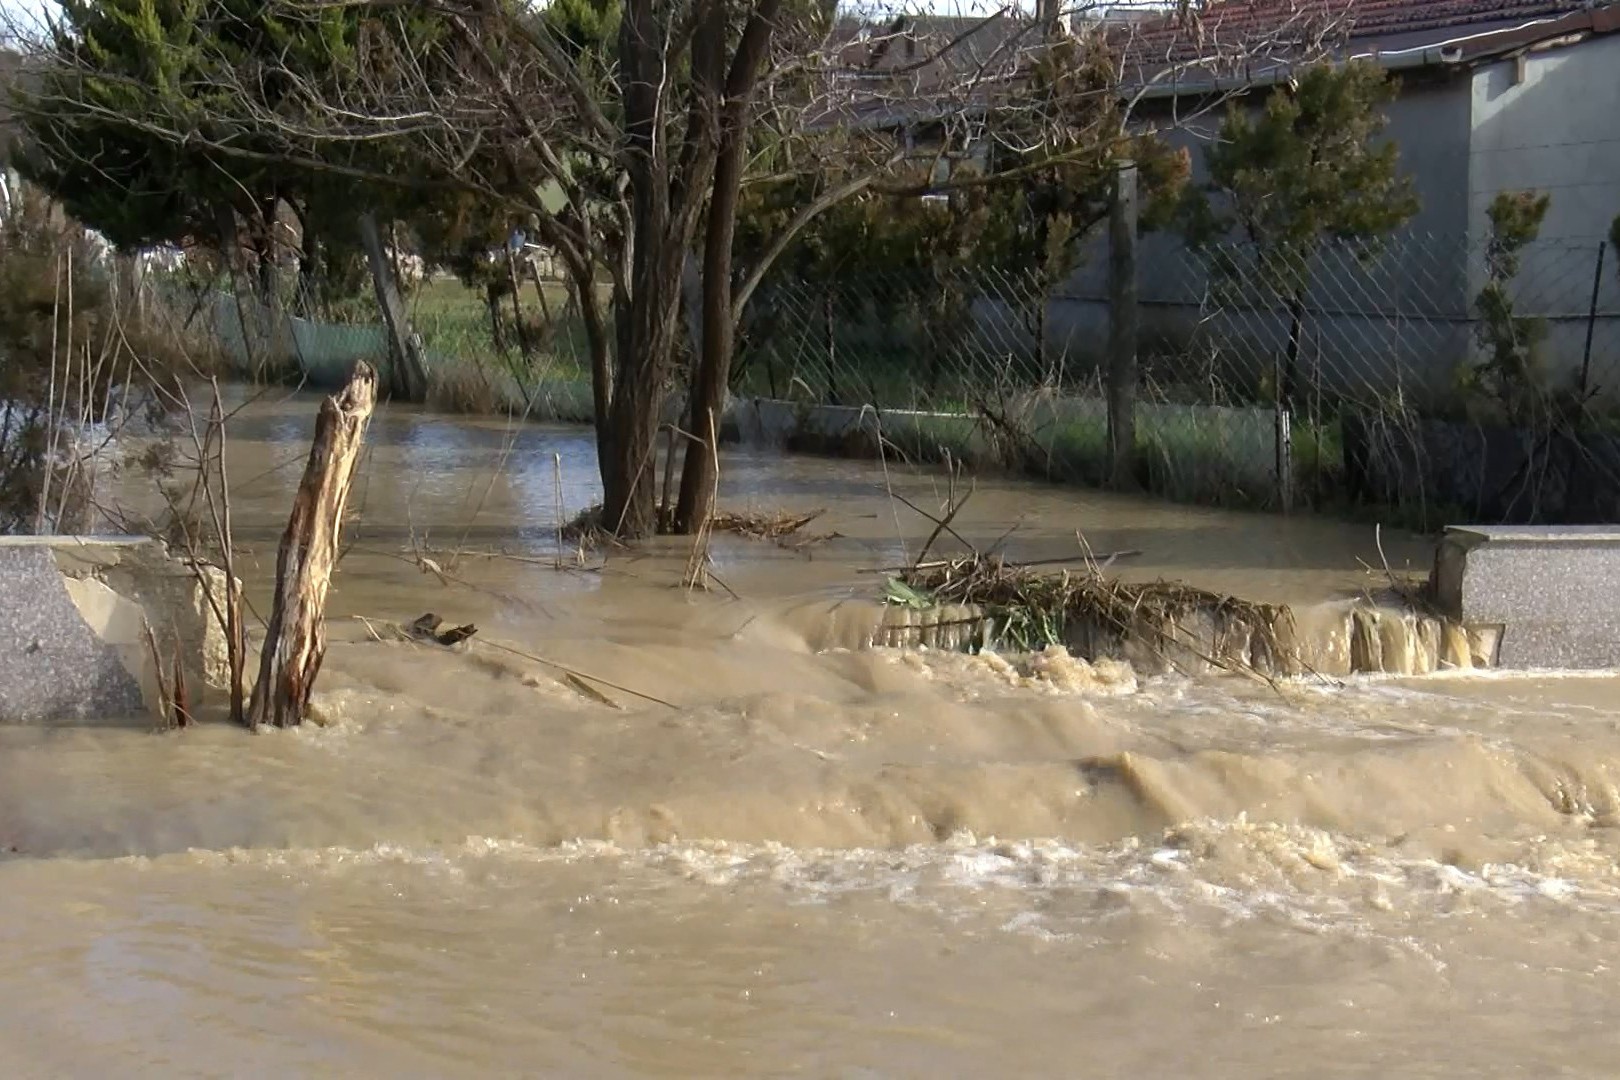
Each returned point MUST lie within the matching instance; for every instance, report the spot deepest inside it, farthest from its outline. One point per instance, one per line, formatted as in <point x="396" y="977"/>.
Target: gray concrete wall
<point x="1393" y="323"/>
<point x="73" y="644"/>
<point x="1554" y="127"/>
<point x="1557" y="130"/>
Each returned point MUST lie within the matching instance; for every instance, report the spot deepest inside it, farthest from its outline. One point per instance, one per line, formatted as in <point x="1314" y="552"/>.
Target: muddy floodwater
<point x="772" y="850"/>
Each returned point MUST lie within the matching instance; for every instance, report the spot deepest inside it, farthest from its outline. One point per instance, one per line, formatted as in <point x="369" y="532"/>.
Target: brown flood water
<point x="818" y="859"/>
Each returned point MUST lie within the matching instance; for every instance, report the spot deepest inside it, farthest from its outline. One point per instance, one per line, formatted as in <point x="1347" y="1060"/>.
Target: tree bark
<point x="629" y="480"/>
<point x="701" y="469"/>
<point x="265" y="241"/>
<point x="667" y="198"/>
<point x="1122" y="327"/>
<point x="663" y="215"/>
<point x="309" y="262"/>
<point x="598" y="342"/>
<point x="492" y="304"/>
<point x="406" y="379"/>
<point x="524" y="345"/>
<point x="295" y="639"/>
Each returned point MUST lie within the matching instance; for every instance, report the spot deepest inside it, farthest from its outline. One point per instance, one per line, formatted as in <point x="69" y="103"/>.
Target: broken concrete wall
<point x="73" y="619"/>
<point x="1551" y="593"/>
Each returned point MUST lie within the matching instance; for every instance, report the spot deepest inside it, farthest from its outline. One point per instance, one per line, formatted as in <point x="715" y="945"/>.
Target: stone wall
<point x="73" y="634"/>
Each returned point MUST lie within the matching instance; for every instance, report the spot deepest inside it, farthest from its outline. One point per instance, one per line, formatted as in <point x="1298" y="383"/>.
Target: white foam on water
<point x="1302" y="879"/>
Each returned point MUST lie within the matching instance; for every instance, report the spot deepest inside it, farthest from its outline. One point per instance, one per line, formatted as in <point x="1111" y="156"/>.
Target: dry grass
<point x="1028" y="610"/>
<point x="463" y="388"/>
<point x="586" y="529"/>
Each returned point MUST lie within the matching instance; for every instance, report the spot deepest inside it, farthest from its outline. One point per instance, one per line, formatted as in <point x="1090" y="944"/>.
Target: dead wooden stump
<point x="295" y="640"/>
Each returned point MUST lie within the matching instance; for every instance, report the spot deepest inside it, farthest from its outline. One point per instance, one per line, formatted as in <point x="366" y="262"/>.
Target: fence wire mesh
<point x="482" y="353"/>
<point x="1408" y="373"/>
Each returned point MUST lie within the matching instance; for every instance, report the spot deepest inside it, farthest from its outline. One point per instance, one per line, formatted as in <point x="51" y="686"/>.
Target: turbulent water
<point x="772" y="850"/>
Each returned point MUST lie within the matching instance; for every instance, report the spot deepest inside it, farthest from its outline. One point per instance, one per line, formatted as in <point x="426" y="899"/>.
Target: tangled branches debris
<point x="1094" y="615"/>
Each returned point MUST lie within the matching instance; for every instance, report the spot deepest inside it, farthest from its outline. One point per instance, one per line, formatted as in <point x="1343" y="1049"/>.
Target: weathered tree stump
<point x="295" y="641"/>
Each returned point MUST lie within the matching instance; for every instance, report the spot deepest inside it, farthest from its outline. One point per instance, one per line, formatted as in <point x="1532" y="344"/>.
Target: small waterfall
<point x="951" y="627"/>
<point x="1336" y="639"/>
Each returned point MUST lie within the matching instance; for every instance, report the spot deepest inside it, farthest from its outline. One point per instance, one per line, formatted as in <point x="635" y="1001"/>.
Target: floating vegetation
<point x="586" y="527"/>
<point x="761" y="525"/>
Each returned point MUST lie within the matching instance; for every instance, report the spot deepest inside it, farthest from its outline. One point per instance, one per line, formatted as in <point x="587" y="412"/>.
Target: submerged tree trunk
<point x="295" y="639"/>
<point x="492" y="305"/>
<point x="701" y="472"/>
<point x="309" y="263"/>
<point x="648" y="341"/>
<point x="669" y="189"/>
<point x="265" y="242"/>
<point x="665" y="188"/>
<point x="599" y="343"/>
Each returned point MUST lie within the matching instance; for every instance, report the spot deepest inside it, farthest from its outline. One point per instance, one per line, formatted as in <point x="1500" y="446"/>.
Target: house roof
<point x="1358" y="26"/>
<point x="1357" y="21"/>
<point x="1398" y="33"/>
<point x="914" y="67"/>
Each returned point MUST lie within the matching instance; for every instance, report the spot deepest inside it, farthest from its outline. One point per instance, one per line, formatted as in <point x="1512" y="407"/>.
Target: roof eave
<point x="1564" y="30"/>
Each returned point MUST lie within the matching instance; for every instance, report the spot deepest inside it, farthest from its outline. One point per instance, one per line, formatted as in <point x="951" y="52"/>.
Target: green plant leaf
<point x="900" y="594"/>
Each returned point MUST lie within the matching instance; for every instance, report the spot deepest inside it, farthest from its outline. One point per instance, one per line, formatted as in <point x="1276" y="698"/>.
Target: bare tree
<point x="629" y="156"/>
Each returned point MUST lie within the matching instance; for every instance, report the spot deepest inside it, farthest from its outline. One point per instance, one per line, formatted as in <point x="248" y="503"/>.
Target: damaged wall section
<point x="73" y="619"/>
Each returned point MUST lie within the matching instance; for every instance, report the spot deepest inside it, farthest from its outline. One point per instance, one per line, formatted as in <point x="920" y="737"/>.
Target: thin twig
<point x="888" y="483"/>
<point x="554" y="665"/>
<point x="952" y="507"/>
<point x="157" y="669"/>
<point x="562" y="514"/>
<point x="1065" y="560"/>
<point x="944" y="524"/>
<point x="576" y="673"/>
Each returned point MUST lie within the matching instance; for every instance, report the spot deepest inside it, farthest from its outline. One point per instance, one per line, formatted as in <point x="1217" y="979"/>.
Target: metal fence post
<point x="1591" y="318"/>
<point x="829" y="344"/>
<point x="1122" y="327"/>
<point x="1285" y="457"/>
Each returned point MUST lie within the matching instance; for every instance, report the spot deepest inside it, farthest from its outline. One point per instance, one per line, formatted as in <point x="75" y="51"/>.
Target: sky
<point x="24" y="13"/>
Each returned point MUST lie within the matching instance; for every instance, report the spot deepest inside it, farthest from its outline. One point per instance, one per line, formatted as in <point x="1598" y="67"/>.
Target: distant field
<point x="444" y="296"/>
<point x="455" y="326"/>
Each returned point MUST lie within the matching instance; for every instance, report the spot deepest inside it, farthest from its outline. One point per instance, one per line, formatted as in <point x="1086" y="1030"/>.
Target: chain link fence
<point x="1374" y="374"/>
<point x="1398" y="375"/>
<point x="482" y="354"/>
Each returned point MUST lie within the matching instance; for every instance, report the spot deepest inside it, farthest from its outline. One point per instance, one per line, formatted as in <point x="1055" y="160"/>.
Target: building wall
<point x="1430" y="124"/>
<point x="1556" y="130"/>
<point x="1405" y="322"/>
<point x="1395" y="322"/>
<point x="1553" y="126"/>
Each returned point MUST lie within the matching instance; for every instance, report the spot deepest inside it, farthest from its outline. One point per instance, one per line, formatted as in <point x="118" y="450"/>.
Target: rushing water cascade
<point x="797" y="853"/>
